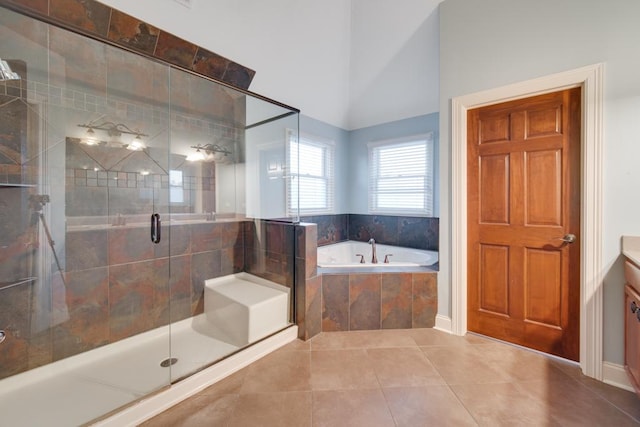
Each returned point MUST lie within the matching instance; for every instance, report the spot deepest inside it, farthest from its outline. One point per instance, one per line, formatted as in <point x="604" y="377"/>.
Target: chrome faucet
<point x="374" y="258"/>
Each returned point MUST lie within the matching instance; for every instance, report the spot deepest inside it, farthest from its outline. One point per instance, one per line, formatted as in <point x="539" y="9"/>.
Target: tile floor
<point x="417" y="377"/>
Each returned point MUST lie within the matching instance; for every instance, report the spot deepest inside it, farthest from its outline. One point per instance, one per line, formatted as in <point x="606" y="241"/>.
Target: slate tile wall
<point x="105" y="23"/>
<point x="368" y="301"/>
<point x="405" y="231"/>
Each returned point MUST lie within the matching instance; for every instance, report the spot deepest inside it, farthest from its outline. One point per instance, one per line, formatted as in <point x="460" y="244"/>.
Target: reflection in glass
<point x="95" y="141"/>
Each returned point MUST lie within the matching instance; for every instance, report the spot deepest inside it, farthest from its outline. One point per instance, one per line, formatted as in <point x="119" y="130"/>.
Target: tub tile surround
<point x="364" y="301"/>
<point x="396" y="302"/>
<point x="359" y="301"/>
<point x="405" y="231"/>
<point x="308" y="284"/>
<point x="331" y="228"/>
<point x="108" y="24"/>
<point x="335" y="302"/>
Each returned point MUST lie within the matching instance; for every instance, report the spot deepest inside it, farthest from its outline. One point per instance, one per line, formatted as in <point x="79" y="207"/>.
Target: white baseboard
<point x="154" y="405"/>
<point x="615" y="375"/>
<point x="443" y="323"/>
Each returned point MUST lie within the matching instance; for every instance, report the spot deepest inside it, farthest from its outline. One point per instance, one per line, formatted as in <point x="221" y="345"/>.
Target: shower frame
<point x="282" y="228"/>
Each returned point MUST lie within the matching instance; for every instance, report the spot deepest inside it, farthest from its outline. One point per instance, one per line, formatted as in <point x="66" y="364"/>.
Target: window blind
<point x="311" y="186"/>
<point x="401" y="176"/>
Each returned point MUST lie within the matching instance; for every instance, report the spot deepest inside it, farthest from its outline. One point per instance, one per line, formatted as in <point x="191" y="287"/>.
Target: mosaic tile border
<point x="110" y="25"/>
<point x="223" y="129"/>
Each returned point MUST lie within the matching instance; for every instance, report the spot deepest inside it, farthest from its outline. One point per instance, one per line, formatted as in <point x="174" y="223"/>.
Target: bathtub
<point x="343" y="255"/>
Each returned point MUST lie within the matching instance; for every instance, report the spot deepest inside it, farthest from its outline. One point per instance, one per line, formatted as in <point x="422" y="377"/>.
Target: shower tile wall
<point x="103" y="22"/>
<point x="268" y="251"/>
<point x="119" y="284"/>
<point x="142" y="286"/>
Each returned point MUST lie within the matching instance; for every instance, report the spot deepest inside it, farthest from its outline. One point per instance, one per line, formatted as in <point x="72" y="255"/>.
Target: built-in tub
<point x="344" y="255"/>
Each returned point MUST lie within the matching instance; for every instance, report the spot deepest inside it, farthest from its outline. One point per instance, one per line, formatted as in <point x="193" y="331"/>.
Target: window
<point x="311" y="186"/>
<point x="176" y="191"/>
<point x="401" y="176"/>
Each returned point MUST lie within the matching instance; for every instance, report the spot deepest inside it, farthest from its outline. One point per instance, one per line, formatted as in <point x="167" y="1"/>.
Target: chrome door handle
<point x="569" y="238"/>
<point x="155" y="228"/>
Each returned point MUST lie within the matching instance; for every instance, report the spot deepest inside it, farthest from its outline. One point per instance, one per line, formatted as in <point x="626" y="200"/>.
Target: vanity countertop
<point x="631" y="248"/>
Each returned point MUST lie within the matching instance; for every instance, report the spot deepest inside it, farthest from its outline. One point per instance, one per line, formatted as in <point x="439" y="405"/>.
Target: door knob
<point x="568" y="238"/>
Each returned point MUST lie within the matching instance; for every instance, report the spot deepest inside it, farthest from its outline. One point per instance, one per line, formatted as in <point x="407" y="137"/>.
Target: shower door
<point x="84" y="280"/>
<point x="217" y="231"/>
<point x="125" y="185"/>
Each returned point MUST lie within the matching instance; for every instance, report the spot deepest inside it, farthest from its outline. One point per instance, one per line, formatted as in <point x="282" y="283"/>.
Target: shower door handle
<point x="155" y="228"/>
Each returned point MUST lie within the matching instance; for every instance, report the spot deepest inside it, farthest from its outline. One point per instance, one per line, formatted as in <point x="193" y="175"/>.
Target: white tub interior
<point x="77" y="389"/>
<point x="344" y="254"/>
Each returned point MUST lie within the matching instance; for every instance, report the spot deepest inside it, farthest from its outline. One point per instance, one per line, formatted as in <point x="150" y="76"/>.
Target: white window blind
<point x="176" y="187"/>
<point x="401" y="176"/>
<point x="311" y="187"/>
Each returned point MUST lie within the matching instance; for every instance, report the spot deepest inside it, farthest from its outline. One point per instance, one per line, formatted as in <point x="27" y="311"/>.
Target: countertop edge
<point x="633" y="256"/>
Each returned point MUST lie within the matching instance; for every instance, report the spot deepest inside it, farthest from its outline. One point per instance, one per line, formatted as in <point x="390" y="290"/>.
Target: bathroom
<point x="130" y="226"/>
<point x="128" y="185"/>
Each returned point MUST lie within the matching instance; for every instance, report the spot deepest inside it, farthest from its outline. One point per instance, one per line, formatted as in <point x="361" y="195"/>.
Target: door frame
<point x="590" y="78"/>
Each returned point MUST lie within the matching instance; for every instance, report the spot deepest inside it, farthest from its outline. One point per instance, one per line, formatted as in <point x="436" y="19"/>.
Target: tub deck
<point x="375" y="268"/>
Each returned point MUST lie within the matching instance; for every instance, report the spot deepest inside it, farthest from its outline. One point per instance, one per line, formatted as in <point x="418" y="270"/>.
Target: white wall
<point x="298" y="48"/>
<point x="394" y="61"/>
<point x="358" y="154"/>
<point x="351" y="64"/>
<point x="491" y="43"/>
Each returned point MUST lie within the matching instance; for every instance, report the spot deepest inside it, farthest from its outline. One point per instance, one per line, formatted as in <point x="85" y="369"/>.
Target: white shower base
<point x="80" y="388"/>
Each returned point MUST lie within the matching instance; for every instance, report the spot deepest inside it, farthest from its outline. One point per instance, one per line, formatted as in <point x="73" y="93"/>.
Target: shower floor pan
<point x="81" y="388"/>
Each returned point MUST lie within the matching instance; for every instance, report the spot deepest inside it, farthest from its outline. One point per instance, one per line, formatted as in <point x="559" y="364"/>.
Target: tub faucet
<point x="374" y="258"/>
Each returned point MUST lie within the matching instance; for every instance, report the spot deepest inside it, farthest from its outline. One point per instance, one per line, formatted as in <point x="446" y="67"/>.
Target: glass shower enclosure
<point x="143" y="213"/>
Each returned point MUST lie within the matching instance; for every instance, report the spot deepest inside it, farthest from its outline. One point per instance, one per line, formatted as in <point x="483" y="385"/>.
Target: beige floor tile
<point x="624" y="400"/>
<point x="353" y="408"/>
<point x="503" y="404"/>
<point x="296" y="345"/>
<point x="433" y="337"/>
<point x="229" y="385"/>
<point x="463" y="365"/>
<point x="518" y="364"/>
<point x="363" y="339"/>
<point x="397" y="367"/>
<point x="198" y="411"/>
<point x="272" y="409"/>
<point x="342" y="370"/>
<point x="434" y="405"/>
<point x="279" y="372"/>
<point x="363" y="378"/>
<point x="572" y="403"/>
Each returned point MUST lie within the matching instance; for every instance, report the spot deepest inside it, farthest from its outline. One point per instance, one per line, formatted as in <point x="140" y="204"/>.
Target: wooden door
<point x="523" y="199"/>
